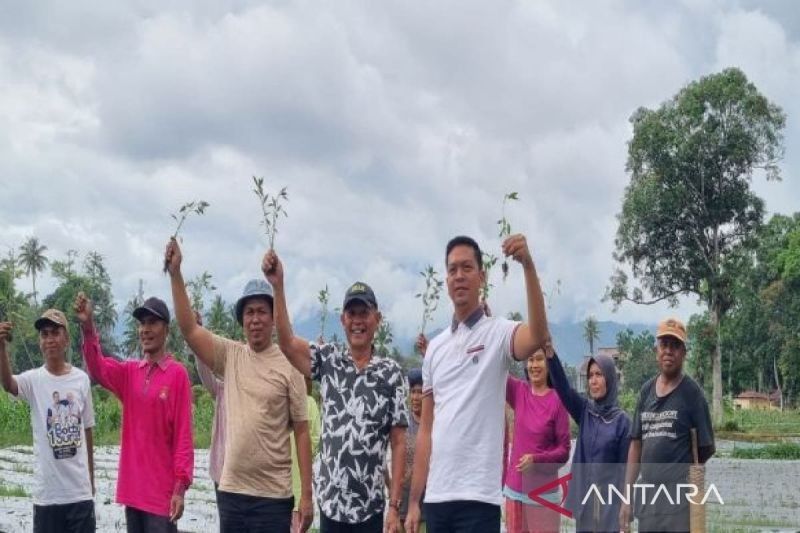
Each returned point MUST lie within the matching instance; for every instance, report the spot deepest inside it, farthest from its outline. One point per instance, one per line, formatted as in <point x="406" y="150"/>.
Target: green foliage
<point x="430" y="296"/>
<point x="12" y="491"/>
<point x="702" y="339"/>
<point x="383" y="339"/>
<point x="489" y="261"/>
<point x="220" y="319"/>
<point x="505" y="227"/>
<point x="202" y="416"/>
<point x="199" y="288"/>
<point x="689" y="205"/>
<point x="786" y="451"/>
<point x="15" y="421"/>
<point x="271" y="208"/>
<point x="760" y="332"/>
<point x="763" y="423"/>
<point x="627" y="400"/>
<point x="95" y="282"/>
<point x="638" y="358"/>
<point x="197" y="207"/>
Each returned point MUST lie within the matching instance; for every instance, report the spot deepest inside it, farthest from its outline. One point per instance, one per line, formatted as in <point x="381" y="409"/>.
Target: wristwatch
<point x="395" y="504"/>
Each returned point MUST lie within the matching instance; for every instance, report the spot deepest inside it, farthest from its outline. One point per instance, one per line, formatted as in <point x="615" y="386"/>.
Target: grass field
<point x="15" y="422"/>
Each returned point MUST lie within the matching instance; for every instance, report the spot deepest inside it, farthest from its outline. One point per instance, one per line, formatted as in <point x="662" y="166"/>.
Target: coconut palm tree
<point x="591" y="332"/>
<point x="33" y="260"/>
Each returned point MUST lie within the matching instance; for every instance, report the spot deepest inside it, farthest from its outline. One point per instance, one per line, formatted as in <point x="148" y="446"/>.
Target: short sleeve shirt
<point x="359" y="408"/>
<point x="664" y="424"/>
<point x="61" y="411"/>
<point x="264" y="394"/>
<point x="465" y="369"/>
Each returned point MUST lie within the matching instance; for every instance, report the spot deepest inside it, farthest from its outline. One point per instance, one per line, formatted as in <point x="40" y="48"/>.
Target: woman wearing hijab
<point x="539" y="447"/>
<point x="602" y="444"/>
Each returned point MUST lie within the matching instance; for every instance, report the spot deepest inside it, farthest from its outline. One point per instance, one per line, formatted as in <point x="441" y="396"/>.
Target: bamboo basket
<point x="697" y="475"/>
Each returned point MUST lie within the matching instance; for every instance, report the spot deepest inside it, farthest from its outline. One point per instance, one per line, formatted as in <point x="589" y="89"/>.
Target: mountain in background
<point x="568" y="336"/>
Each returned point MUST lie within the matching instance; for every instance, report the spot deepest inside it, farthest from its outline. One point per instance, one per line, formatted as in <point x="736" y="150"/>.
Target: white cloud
<point x="395" y="126"/>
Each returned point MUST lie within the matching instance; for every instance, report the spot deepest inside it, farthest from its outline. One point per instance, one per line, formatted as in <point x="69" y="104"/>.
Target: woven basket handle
<point x="695" y="452"/>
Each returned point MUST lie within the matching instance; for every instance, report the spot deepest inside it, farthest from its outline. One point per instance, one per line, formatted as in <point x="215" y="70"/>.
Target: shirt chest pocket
<point x="370" y="404"/>
<point x="274" y="392"/>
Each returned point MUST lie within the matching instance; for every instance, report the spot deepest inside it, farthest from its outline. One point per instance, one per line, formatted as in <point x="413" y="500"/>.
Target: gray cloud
<point x="395" y="127"/>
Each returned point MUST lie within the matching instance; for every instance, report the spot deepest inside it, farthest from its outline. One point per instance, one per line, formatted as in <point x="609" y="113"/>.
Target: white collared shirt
<point x="465" y="368"/>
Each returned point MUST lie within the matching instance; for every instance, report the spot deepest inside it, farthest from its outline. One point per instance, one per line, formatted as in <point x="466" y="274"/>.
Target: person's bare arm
<point x="397" y="439"/>
<point x="296" y="349"/>
<point x="90" y="454"/>
<point x="199" y="339"/>
<point x="631" y="475"/>
<point x="6" y="375"/>
<point x="533" y="334"/>
<point x="302" y="440"/>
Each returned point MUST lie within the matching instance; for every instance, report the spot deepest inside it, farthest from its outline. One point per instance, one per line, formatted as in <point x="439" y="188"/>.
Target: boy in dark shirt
<point x="669" y="406"/>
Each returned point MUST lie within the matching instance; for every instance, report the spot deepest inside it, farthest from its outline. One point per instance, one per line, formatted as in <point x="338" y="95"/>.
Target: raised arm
<point x="6" y="376"/>
<point x="296" y="349"/>
<point x="199" y="339"/>
<point x="574" y="402"/>
<point x="107" y="371"/>
<point x="533" y="334"/>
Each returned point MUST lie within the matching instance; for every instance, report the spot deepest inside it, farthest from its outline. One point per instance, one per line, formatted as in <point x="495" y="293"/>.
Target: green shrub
<point x="781" y="451"/>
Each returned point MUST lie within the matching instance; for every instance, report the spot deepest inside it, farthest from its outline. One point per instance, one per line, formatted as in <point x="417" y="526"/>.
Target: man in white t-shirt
<point x="62" y="418"/>
<point x="459" y="449"/>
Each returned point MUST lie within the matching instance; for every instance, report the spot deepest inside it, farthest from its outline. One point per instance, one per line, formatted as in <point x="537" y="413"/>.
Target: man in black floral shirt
<point x="363" y="409"/>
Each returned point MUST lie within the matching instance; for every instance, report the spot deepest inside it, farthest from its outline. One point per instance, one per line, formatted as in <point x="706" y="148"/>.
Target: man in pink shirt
<point x="157" y="455"/>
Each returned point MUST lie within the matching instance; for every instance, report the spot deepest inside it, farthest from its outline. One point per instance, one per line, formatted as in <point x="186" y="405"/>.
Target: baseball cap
<point x="360" y="292"/>
<point x="152" y="306"/>
<point x="51" y="317"/>
<point x="255" y="288"/>
<point x="671" y="327"/>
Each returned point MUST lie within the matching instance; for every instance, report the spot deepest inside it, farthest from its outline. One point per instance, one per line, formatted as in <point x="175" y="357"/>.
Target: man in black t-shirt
<point x="669" y="406"/>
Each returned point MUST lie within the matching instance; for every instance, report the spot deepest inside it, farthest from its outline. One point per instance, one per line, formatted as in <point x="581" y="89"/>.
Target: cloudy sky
<point x="395" y="125"/>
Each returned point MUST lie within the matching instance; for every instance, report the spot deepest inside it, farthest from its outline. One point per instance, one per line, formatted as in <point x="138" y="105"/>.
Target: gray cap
<point x="152" y="306"/>
<point x="255" y="288"/>
<point x="360" y="292"/>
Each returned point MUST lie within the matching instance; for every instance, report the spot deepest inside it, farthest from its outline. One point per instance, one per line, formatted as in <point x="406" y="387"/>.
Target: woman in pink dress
<point x="539" y="447"/>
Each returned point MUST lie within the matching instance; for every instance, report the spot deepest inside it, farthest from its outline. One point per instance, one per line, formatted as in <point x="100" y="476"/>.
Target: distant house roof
<point x="610" y="351"/>
<point x="752" y="395"/>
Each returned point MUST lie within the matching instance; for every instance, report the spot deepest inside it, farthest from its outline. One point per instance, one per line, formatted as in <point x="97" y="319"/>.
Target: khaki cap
<point x="672" y="327"/>
<point x="51" y="316"/>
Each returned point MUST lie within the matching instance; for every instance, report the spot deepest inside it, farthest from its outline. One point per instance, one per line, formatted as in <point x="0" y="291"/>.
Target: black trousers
<point x="75" y="517"/>
<point x="241" y="513"/>
<point x="462" y="517"/>
<point x="677" y="522"/>
<point x="372" y="525"/>
<point x="138" y="521"/>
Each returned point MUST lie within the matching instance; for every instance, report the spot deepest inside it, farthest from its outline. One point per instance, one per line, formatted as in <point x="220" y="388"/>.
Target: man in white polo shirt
<point x="459" y="448"/>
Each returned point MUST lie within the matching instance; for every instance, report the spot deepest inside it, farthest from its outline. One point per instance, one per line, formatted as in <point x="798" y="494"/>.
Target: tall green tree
<point x="131" y="347"/>
<point x="34" y="261"/>
<point x="765" y="318"/>
<point x="638" y="357"/>
<point x="689" y="203"/>
<point x="199" y="288"/>
<point x="95" y="282"/>
<point x="591" y="332"/>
